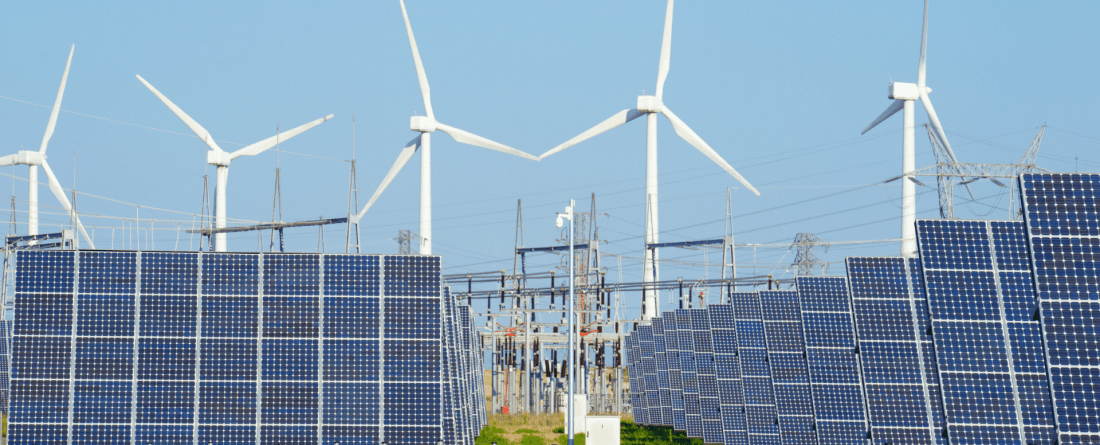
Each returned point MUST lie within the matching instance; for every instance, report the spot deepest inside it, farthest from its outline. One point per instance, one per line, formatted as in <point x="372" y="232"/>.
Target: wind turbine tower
<point x="34" y="159"/>
<point x="904" y="94"/>
<point x="221" y="159"/>
<point x="426" y="125"/>
<point x="650" y="106"/>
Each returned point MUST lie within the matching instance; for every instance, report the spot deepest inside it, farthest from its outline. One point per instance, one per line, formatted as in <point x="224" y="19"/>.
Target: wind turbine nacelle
<point x="904" y="91"/>
<point x="26" y="157"/>
<point x="649" y="104"/>
<point x="217" y="158"/>
<point x="423" y="124"/>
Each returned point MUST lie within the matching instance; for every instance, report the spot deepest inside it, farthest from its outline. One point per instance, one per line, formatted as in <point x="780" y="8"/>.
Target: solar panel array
<point x="707" y="375"/>
<point x="662" y="413"/>
<point x="1063" y="230"/>
<point x="1002" y="315"/>
<point x="672" y="359"/>
<point x="988" y="346"/>
<point x="836" y="380"/>
<point x="189" y="347"/>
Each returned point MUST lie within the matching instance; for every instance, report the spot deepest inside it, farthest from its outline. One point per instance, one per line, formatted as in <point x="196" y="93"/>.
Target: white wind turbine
<point x="903" y="95"/>
<point x="425" y="125"/>
<point x="650" y="106"/>
<point x="34" y="159"/>
<point x="221" y="159"/>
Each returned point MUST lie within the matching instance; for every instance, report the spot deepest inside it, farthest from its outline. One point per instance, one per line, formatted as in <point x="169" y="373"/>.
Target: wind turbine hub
<point x="218" y="157"/>
<point x="29" y="157"/>
<point x="650" y="104"/>
<point x="423" y="124"/>
<point x="904" y="91"/>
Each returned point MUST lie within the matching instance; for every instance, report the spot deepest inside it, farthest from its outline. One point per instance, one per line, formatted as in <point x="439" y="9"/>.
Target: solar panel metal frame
<point x="782" y="319"/>
<point x="761" y="417"/>
<point x="1060" y="214"/>
<point x="832" y="348"/>
<point x="962" y="259"/>
<point x="903" y="276"/>
<point x="295" y="296"/>
<point x="728" y="363"/>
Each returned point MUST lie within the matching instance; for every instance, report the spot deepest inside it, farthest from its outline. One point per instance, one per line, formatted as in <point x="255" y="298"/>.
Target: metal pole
<point x="572" y="361"/>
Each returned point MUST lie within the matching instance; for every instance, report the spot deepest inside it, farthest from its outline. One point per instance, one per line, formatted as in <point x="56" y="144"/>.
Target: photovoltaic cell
<point x="662" y="414"/>
<point x="979" y="295"/>
<point x="836" y="382"/>
<point x="786" y="348"/>
<point x="761" y="418"/>
<point x="728" y="365"/>
<point x="1063" y="229"/>
<point x="186" y="347"/>
<point x="647" y="361"/>
<point x="899" y="368"/>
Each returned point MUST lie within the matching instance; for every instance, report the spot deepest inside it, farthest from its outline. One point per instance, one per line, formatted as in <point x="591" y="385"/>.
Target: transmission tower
<point x="804" y="260"/>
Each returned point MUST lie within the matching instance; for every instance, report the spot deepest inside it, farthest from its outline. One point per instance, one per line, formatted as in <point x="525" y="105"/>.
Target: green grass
<point x="531" y="440"/>
<point x="563" y="439"/>
<point x="526" y="431"/>
<point x="631" y="434"/>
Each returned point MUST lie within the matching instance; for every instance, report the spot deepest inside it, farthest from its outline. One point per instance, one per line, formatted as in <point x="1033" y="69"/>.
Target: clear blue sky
<point x="781" y="90"/>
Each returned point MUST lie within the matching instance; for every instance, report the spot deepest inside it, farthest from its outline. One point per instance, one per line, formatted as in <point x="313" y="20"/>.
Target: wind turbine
<point x="650" y="106"/>
<point x="221" y="159"/>
<point x="903" y="95"/>
<point x="34" y="159"/>
<point x="425" y="125"/>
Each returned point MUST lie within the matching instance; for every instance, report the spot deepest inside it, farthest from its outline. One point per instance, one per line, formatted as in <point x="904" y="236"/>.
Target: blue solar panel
<point x="707" y="375"/>
<point x="836" y="383"/>
<point x="899" y="371"/>
<point x="761" y="418"/>
<point x="672" y="359"/>
<point x="787" y="361"/>
<point x="728" y="365"/>
<point x="981" y="303"/>
<point x="637" y="392"/>
<point x="689" y="373"/>
<point x="662" y="414"/>
<point x="170" y="347"/>
<point x="5" y="359"/>
<point x="1062" y="216"/>
<point x="647" y="359"/>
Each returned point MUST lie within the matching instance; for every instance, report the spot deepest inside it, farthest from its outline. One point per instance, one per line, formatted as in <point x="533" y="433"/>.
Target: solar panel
<point x="663" y="412"/>
<point x="5" y="358"/>
<point x="689" y="374"/>
<point x="728" y="365"/>
<point x="648" y="350"/>
<point x="637" y="392"/>
<point x="836" y="383"/>
<point x="761" y="418"/>
<point x="707" y="374"/>
<point x="981" y="303"/>
<point x="787" y="362"/>
<point x="672" y="357"/>
<point x="173" y="347"/>
<point x="899" y="370"/>
<point x="1061" y="214"/>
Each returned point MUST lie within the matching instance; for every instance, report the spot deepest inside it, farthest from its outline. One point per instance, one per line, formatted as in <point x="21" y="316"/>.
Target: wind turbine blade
<point x="57" y="104"/>
<point x="468" y="138"/>
<point x="402" y="159"/>
<point x="619" y="118"/>
<point x="265" y="144"/>
<point x="666" y="51"/>
<point x="921" y="68"/>
<point x="893" y="108"/>
<point x="58" y="192"/>
<point x="688" y="135"/>
<point x="425" y="91"/>
<point x="935" y="121"/>
<point x="8" y="160"/>
<point x="194" y="126"/>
